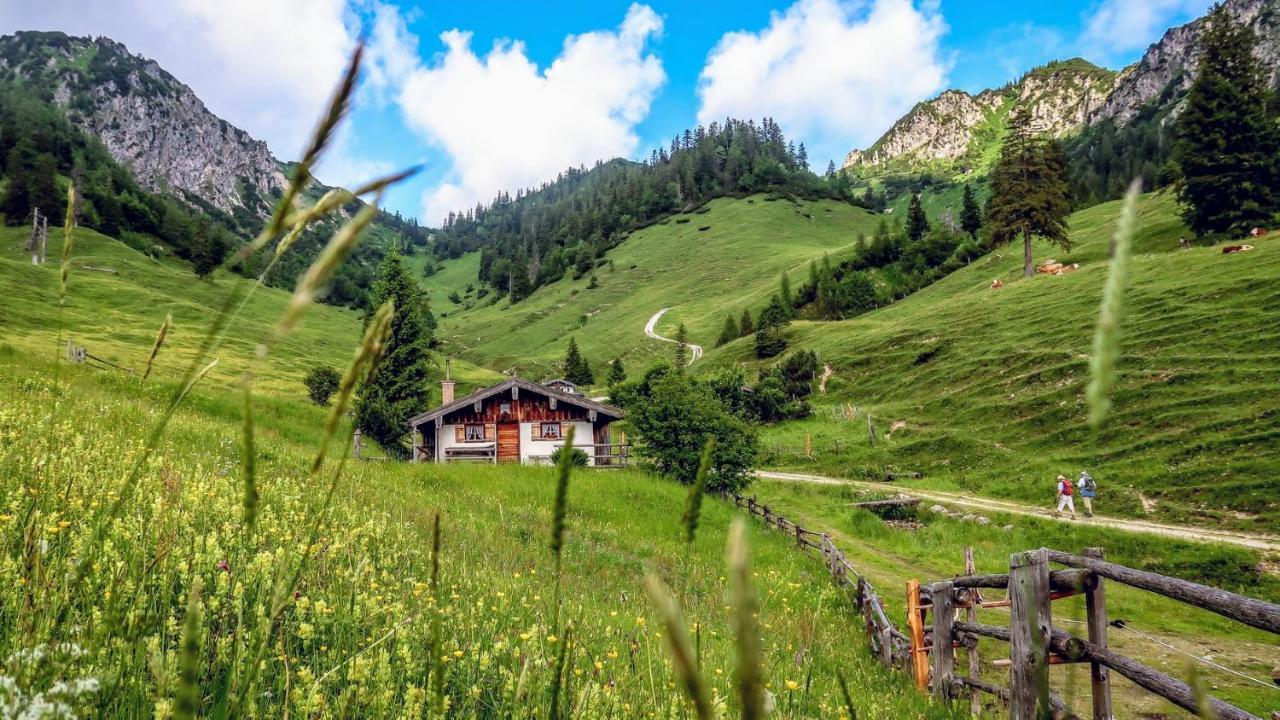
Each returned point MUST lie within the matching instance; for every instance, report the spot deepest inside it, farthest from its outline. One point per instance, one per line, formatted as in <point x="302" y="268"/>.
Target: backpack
<point x="1066" y="488"/>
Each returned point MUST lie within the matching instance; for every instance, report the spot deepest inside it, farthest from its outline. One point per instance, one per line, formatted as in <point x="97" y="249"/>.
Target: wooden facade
<point x="517" y="421"/>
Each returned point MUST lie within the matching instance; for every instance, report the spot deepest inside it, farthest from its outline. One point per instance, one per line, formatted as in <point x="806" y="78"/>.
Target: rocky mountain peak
<point x="148" y="120"/>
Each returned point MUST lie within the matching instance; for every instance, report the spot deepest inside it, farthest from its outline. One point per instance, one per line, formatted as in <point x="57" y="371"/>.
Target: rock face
<point x="1168" y="66"/>
<point x="149" y="121"/>
<point x="956" y="125"/>
<point x="957" y="129"/>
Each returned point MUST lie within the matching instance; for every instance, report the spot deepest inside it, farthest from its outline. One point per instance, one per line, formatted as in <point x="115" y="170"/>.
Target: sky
<point x="497" y="96"/>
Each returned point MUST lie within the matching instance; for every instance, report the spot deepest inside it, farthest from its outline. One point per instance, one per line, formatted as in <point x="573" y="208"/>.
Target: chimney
<point x="446" y="385"/>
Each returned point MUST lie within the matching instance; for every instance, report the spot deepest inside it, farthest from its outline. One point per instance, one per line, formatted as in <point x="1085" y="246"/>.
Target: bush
<point x="672" y="416"/>
<point x="578" y="456"/>
<point x="322" y="383"/>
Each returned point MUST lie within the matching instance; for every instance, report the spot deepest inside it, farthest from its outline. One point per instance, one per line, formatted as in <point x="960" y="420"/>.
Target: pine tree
<point x="617" y="375"/>
<point x="682" y="347"/>
<point x="576" y="368"/>
<point x="970" y="213"/>
<point x="745" y="326"/>
<point x="831" y="168"/>
<point x="208" y="248"/>
<point x="785" y="295"/>
<point x="398" y="388"/>
<point x="917" y="221"/>
<point x="1227" y="146"/>
<point x="1029" y="193"/>
<point x="729" y="333"/>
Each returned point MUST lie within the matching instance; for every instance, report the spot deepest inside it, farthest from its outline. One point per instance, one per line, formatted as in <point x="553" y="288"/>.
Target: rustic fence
<point x="928" y="646"/>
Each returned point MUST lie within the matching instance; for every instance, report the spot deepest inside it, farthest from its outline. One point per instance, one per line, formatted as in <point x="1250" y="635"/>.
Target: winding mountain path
<point x="695" y="351"/>
<point x="1183" y="532"/>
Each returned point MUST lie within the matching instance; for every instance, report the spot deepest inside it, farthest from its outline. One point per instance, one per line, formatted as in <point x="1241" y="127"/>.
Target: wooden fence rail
<point x="928" y="650"/>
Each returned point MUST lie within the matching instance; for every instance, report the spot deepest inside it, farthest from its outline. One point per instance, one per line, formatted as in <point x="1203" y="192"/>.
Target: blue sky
<point x="496" y="96"/>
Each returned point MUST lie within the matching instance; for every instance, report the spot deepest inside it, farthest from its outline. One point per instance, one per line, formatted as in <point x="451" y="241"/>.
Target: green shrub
<point x="578" y="456"/>
<point x="322" y="382"/>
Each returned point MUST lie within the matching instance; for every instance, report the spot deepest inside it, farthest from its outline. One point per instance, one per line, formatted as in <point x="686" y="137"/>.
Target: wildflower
<point x="792" y="685"/>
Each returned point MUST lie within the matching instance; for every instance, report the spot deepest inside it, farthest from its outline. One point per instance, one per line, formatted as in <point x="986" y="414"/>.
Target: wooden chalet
<point x="516" y="421"/>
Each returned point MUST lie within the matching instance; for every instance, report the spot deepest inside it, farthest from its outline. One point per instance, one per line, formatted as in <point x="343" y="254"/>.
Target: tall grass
<point x="1106" y="338"/>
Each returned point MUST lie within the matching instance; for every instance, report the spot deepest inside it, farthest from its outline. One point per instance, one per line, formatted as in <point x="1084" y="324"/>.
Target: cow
<point x="997" y="284"/>
<point x="1232" y="249"/>
<point x="1258" y="232"/>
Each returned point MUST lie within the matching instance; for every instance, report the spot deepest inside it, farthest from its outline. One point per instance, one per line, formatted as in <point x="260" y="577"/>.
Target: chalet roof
<point x="525" y="386"/>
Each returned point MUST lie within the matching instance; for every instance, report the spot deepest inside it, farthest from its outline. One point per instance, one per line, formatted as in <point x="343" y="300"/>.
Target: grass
<point x="983" y="390"/>
<point x="703" y="275"/>
<point x="116" y="316"/>
<point x="890" y="556"/>
<point x="352" y="638"/>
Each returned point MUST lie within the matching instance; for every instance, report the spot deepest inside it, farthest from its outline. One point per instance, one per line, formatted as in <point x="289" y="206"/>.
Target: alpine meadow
<point x="820" y="359"/>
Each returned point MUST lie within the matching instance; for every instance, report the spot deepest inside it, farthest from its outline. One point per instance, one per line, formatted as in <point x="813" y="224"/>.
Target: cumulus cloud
<point x="507" y="124"/>
<point x="833" y="73"/>
<point x="1116" y="27"/>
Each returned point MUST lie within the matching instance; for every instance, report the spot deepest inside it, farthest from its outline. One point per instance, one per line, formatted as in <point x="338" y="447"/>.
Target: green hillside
<point x="703" y="274"/>
<point x="354" y="632"/>
<point x="983" y="389"/>
<point x="115" y="309"/>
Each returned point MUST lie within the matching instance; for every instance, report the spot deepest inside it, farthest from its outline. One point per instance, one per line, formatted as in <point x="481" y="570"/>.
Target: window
<point x="504" y="408"/>
<point x="551" y="431"/>
<point x="475" y="433"/>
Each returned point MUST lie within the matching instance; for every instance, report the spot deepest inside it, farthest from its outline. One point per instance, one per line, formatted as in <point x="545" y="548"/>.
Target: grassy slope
<point x="183" y="522"/>
<point x="890" y="556"/>
<point x="703" y="275"/>
<point x="989" y="384"/>
<point x="116" y="316"/>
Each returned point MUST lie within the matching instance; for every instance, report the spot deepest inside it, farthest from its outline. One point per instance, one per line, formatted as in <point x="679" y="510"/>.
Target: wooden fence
<point x="927" y="648"/>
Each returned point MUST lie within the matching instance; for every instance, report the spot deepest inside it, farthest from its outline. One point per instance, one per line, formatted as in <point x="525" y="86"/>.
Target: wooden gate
<point x="508" y="442"/>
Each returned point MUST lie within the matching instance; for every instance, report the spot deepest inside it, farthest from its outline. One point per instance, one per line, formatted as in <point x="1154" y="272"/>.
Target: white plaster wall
<point x="446" y="437"/>
<point x="538" y="450"/>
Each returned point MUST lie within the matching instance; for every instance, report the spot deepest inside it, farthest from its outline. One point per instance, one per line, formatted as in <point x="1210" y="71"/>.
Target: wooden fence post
<point x="1095" y="603"/>
<point x="871" y="430"/>
<point x="944" y="657"/>
<point x="915" y="632"/>
<point x="1029" y="634"/>
<point x="971" y="614"/>
<point x="808" y="446"/>
<point x="799" y="537"/>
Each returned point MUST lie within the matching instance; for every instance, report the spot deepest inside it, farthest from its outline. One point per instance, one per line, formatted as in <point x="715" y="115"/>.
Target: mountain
<point x="957" y="133"/>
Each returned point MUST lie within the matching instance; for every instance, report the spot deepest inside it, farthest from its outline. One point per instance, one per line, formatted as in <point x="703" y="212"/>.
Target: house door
<point x="508" y="442"/>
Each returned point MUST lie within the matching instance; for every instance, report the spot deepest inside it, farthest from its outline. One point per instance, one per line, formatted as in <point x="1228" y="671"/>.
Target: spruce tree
<point x="399" y="387"/>
<point x="682" y="348"/>
<point x="576" y="368"/>
<point x="970" y="213"/>
<point x="785" y="295"/>
<point x="1029" y="192"/>
<point x="745" y="326"/>
<point x="1226" y="144"/>
<point x="917" y="222"/>
<point x="729" y="333"/>
<point x="617" y="375"/>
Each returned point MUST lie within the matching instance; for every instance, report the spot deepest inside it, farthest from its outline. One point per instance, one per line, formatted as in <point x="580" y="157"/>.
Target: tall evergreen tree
<point x="1227" y="145"/>
<point x="917" y="221"/>
<point x="1029" y="192"/>
<point x="729" y="333"/>
<point x="773" y="320"/>
<point x="682" y="347"/>
<point x="745" y="326"/>
<point x="785" y="295"/>
<point x="576" y="368"/>
<point x="970" y="213"/>
<point x="398" y="388"/>
<point x="617" y="374"/>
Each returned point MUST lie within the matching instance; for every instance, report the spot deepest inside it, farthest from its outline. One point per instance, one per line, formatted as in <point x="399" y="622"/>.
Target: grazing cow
<point x="1232" y="249"/>
<point x="1258" y="232"/>
<point x="997" y="284"/>
<point x="1184" y="244"/>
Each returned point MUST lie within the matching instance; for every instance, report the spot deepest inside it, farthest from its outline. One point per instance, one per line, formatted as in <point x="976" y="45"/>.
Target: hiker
<point x="1064" y="495"/>
<point x="1088" y="490"/>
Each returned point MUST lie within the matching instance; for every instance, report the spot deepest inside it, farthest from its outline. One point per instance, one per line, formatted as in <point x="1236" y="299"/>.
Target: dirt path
<point x="1250" y="540"/>
<point x="827" y="372"/>
<point x="695" y="351"/>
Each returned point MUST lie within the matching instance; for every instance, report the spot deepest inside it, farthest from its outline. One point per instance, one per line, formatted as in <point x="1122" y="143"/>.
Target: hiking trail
<point x="695" y="351"/>
<point x="1199" y="534"/>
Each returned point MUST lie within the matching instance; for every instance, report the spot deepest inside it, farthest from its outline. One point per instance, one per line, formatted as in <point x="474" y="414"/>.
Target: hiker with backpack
<point x="1065" y="492"/>
<point x="1088" y="491"/>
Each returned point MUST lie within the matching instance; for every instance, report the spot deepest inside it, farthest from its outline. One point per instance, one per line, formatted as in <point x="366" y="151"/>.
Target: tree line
<point x="567" y="225"/>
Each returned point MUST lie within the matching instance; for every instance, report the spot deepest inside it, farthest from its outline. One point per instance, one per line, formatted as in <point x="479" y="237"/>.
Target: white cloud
<point x="833" y="73"/>
<point x="1116" y="27"/>
<point x="506" y="124"/>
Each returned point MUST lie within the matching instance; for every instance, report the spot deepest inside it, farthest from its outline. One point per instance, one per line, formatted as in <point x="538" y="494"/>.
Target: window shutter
<point x="490" y="431"/>
<point x="459" y="433"/>
<point x="564" y="429"/>
<point x="535" y="431"/>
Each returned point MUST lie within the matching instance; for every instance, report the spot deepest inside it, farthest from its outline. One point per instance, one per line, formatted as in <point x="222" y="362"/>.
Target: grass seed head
<point x="367" y="354"/>
<point x="748" y="673"/>
<point x="155" y="347"/>
<point x="186" y="697"/>
<point x="693" y="512"/>
<point x="1106" y="337"/>
<point x="317" y="276"/>
<point x="681" y="649"/>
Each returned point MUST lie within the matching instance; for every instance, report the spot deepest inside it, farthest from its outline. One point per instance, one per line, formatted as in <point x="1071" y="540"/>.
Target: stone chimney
<point x="446" y="385"/>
